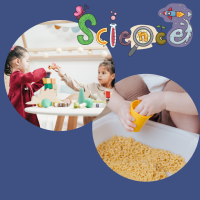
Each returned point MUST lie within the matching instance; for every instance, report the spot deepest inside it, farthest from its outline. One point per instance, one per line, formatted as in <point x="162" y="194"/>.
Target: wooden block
<point x="46" y="80"/>
<point x="40" y="104"/>
<point x="55" y="91"/>
<point x="48" y="94"/>
<point x="48" y="75"/>
<point x="53" y="80"/>
<point x="48" y="86"/>
<point x="52" y="67"/>
<point x="55" y="102"/>
<point x="54" y="86"/>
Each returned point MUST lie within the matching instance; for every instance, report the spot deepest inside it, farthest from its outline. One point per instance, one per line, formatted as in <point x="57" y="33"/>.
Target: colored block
<point x="89" y="102"/>
<point x="49" y="86"/>
<point x="46" y="103"/>
<point x="46" y="80"/>
<point x="53" y="80"/>
<point x="54" y="86"/>
<point x="40" y="105"/>
<point x="81" y="97"/>
<point x="48" y="75"/>
<point x="55" y="91"/>
<point x="55" y="102"/>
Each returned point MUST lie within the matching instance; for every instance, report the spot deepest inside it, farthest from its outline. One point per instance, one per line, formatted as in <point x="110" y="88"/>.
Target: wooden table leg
<point x="59" y="123"/>
<point x="72" y="122"/>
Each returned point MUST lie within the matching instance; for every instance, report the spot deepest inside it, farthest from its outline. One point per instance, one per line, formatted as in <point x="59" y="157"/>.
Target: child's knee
<point x="131" y="88"/>
<point x="186" y="122"/>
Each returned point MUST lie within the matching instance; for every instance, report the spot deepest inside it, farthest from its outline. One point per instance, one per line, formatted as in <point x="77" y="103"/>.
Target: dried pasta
<point x="138" y="161"/>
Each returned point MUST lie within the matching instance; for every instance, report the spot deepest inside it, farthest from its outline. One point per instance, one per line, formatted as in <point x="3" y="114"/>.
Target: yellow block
<point x="55" y="102"/>
<point x="40" y="105"/>
<point x="46" y="80"/>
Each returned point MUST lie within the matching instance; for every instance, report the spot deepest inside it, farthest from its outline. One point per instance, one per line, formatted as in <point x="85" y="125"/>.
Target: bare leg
<point x="186" y="122"/>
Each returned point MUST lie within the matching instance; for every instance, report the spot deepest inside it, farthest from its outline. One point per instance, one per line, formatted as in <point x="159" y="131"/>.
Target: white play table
<point x="62" y="112"/>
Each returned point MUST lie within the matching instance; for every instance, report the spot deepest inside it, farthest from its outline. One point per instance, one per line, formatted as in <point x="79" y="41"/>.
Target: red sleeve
<point x="23" y="78"/>
<point x="36" y="86"/>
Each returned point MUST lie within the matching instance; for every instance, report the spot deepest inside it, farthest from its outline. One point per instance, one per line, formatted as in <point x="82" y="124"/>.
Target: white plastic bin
<point x="154" y="134"/>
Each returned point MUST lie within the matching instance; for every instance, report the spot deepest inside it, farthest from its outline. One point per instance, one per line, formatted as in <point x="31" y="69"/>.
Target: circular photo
<point x="53" y="81"/>
<point x="149" y="129"/>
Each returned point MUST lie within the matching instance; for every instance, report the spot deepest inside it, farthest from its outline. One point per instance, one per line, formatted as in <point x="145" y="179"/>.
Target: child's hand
<point x="124" y="115"/>
<point x="59" y="70"/>
<point x="151" y="103"/>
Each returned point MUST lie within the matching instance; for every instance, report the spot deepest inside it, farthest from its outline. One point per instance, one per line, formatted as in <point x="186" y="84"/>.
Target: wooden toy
<point x="55" y="102"/>
<point x="54" y="86"/>
<point x="53" y="66"/>
<point x="96" y="101"/>
<point x="99" y="105"/>
<point x="61" y="104"/>
<point x="76" y="105"/>
<point x="53" y="80"/>
<point x="108" y="95"/>
<point x="93" y="96"/>
<point x="48" y="86"/>
<point x="40" y="105"/>
<point x="81" y="97"/>
<point x="46" y="103"/>
<point x="48" y="94"/>
<point x="88" y="103"/>
<point x="48" y="75"/>
<point x="46" y="80"/>
<point x="76" y="95"/>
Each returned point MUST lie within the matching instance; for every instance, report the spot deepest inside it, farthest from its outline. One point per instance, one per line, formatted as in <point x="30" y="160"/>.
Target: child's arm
<point x="122" y="107"/>
<point x="180" y="103"/>
<point x="72" y="83"/>
<point x="23" y="78"/>
<point x="155" y="102"/>
<point x="36" y="86"/>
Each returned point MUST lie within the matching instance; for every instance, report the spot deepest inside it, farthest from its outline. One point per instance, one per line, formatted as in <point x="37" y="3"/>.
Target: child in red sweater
<point x="21" y="90"/>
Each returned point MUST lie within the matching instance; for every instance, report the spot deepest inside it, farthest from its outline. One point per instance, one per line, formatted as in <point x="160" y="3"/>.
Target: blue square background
<point x="39" y="164"/>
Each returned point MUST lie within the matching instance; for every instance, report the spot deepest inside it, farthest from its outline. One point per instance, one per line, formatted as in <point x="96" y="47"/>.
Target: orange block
<point x="53" y="80"/>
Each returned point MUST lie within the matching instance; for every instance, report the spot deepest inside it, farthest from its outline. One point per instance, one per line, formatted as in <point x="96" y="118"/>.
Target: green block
<point x="48" y="86"/>
<point x="76" y="104"/>
<point x="89" y="102"/>
<point x="81" y="97"/>
<point x="46" y="103"/>
<point x="51" y="104"/>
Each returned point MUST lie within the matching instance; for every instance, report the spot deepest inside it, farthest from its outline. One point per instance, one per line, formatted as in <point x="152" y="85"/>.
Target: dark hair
<point x="17" y="52"/>
<point x="109" y="64"/>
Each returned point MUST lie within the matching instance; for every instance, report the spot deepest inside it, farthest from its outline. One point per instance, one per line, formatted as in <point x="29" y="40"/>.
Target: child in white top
<point x="106" y="78"/>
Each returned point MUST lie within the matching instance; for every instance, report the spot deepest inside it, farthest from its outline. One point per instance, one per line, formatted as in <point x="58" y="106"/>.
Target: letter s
<point x="85" y="29"/>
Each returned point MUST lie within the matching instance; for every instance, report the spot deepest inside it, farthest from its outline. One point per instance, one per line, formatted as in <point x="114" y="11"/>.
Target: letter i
<point x="113" y="35"/>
